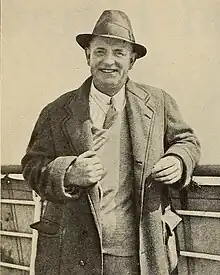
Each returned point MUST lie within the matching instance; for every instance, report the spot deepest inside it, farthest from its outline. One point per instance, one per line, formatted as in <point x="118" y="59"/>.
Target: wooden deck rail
<point x="204" y="170"/>
<point x="190" y="256"/>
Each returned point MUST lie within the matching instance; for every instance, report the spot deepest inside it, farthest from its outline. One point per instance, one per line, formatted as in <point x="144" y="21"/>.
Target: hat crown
<point x="114" y="23"/>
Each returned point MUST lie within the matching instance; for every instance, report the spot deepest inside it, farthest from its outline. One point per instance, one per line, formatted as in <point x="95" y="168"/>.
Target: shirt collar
<point x="104" y="99"/>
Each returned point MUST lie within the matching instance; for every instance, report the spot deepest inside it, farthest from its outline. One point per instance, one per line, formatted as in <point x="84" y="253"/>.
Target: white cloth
<point x="99" y="105"/>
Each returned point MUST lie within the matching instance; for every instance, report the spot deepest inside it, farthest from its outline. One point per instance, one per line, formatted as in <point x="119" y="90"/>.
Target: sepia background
<point x="41" y="60"/>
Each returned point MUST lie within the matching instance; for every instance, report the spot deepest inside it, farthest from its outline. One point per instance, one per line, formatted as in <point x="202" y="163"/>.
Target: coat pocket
<point x="170" y="220"/>
<point x="47" y="228"/>
<point x="49" y="246"/>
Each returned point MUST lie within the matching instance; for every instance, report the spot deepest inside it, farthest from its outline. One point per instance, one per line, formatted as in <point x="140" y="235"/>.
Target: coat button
<point x="82" y="263"/>
<point x="139" y="162"/>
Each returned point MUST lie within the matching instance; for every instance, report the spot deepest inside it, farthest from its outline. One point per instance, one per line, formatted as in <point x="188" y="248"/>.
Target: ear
<point x="88" y="53"/>
<point x="132" y="60"/>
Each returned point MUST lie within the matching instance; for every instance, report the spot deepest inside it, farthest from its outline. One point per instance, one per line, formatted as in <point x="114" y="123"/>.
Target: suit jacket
<point x="69" y="230"/>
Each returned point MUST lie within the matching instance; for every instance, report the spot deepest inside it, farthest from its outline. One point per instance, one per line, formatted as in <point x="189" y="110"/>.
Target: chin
<point x="108" y="88"/>
<point x="110" y="85"/>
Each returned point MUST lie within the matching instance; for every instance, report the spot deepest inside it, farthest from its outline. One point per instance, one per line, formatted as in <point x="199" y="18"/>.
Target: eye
<point x="120" y="52"/>
<point x="99" y="52"/>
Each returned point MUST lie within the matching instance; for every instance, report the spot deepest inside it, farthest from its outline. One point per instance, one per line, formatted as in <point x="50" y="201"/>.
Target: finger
<point x="87" y="154"/>
<point x="98" y="167"/>
<point x="94" y="160"/>
<point x="99" y="173"/>
<point x="172" y="181"/>
<point x="162" y="165"/>
<point x="99" y="143"/>
<point x="166" y="172"/>
<point x="99" y="133"/>
<point x="168" y="178"/>
<point x="92" y="169"/>
<point x="94" y="179"/>
<point x="94" y="172"/>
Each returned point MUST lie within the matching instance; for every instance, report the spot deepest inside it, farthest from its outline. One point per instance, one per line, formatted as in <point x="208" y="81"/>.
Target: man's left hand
<point x="168" y="170"/>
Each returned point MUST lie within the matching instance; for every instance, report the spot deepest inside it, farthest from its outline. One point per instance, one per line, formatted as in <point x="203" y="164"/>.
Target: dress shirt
<point x="99" y="105"/>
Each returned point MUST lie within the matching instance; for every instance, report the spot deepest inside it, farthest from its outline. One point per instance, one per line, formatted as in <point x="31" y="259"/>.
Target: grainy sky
<point x="41" y="60"/>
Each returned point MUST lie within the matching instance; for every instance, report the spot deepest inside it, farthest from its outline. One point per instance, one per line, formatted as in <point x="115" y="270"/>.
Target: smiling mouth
<point x="107" y="71"/>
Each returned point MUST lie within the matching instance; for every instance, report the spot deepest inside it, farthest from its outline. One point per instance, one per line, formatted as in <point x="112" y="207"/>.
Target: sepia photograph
<point x="110" y="137"/>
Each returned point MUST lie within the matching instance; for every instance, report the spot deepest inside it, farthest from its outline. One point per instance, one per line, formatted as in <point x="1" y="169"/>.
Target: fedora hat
<point x="113" y="24"/>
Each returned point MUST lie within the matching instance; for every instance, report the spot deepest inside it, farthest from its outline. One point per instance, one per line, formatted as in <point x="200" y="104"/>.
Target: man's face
<point x="109" y="60"/>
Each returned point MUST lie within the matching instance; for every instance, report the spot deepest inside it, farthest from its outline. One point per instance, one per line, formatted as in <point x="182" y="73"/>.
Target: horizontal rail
<point x="13" y="176"/>
<point x="200" y="255"/>
<point x="15" y="266"/>
<point x="207" y="171"/>
<point x="21" y="202"/>
<point x="199" y="213"/>
<point x="16" y="234"/>
<point x="11" y="169"/>
<point x="215" y="184"/>
<point x="204" y="170"/>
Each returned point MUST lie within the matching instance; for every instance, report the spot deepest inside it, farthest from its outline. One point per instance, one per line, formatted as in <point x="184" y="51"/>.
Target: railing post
<point x="37" y="213"/>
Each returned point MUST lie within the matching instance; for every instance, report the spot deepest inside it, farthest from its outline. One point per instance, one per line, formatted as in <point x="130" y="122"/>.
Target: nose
<point x="109" y="59"/>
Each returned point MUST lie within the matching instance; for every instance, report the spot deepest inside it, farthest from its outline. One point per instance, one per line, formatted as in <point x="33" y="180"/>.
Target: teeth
<point x="108" y="70"/>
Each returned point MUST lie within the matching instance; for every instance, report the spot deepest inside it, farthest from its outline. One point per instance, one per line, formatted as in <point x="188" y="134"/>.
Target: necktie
<point x="111" y="114"/>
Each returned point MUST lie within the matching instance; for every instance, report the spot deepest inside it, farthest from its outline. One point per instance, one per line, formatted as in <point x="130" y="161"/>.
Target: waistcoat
<point x="117" y="207"/>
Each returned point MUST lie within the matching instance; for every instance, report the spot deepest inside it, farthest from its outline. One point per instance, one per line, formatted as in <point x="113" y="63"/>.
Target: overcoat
<point x="69" y="232"/>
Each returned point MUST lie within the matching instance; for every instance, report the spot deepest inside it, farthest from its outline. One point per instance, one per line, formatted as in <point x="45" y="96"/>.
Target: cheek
<point x="94" y="62"/>
<point x="126" y="66"/>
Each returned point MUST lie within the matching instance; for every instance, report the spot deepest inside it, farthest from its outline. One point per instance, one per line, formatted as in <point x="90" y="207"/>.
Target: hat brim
<point x="84" y="39"/>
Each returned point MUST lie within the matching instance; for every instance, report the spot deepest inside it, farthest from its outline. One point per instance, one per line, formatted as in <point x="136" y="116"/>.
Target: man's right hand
<point x="85" y="171"/>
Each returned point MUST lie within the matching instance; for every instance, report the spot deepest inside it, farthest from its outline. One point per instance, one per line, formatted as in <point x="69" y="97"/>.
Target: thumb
<point x="87" y="154"/>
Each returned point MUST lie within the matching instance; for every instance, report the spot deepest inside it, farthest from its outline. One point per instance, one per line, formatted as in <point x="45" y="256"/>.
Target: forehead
<point x="98" y="41"/>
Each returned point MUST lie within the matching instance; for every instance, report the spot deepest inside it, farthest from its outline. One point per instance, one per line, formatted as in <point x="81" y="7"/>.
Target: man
<point x="103" y="157"/>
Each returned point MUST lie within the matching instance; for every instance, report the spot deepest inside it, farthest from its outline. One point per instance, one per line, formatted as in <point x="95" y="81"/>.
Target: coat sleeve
<point x="180" y="140"/>
<point x="42" y="169"/>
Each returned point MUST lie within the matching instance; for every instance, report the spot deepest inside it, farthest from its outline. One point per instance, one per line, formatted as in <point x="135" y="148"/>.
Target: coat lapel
<point x="77" y="130"/>
<point x="77" y="126"/>
<point x="140" y="118"/>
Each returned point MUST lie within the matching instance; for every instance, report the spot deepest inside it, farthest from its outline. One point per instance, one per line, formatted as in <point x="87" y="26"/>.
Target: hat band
<point x="113" y="29"/>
